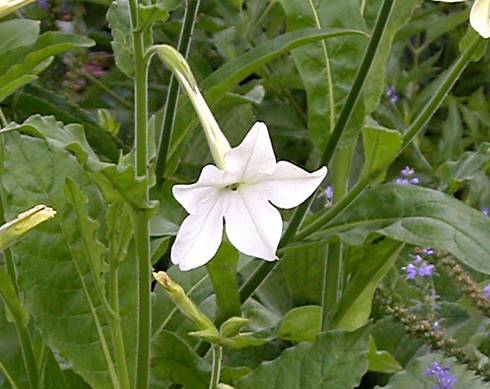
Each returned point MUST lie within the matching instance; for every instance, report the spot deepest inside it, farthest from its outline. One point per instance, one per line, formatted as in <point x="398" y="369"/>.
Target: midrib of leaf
<point x="331" y="100"/>
<point x="93" y="312"/>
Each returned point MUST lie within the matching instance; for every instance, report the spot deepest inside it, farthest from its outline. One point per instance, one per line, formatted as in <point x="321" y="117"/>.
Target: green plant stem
<point x="354" y="93"/>
<point x="332" y="281"/>
<point x="141" y="222"/>
<point x="28" y="355"/>
<point x="191" y="10"/>
<point x="265" y="268"/>
<point x="438" y="97"/>
<point x="217" y="355"/>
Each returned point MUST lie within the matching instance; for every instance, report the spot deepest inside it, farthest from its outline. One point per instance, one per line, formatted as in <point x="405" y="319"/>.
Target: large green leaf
<point x="335" y="360"/>
<point x="48" y="44"/>
<point x="354" y="307"/>
<point x="301" y="324"/>
<point x="54" y="270"/>
<point x="174" y="361"/>
<point x="327" y="68"/>
<point x="116" y="182"/>
<point x="419" y="216"/>
<point x="18" y="32"/>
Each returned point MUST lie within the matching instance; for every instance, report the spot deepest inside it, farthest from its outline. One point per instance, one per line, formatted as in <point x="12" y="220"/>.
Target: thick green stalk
<point x="141" y="227"/>
<point x="192" y="7"/>
<point x="264" y="269"/>
<point x="217" y="354"/>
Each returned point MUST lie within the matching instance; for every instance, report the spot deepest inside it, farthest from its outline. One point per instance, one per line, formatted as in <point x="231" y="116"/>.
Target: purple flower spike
<point x="425" y="270"/>
<point x="445" y="380"/>
<point x="487" y="291"/>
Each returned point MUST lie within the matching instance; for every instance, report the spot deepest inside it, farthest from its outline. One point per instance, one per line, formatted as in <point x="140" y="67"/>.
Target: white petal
<point x="200" y="234"/>
<point x="252" y="224"/>
<point x="253" y="156"/>
<point x="289" y="185"/>
<point x="479" y="17"/>
<point x="209" y="184"/>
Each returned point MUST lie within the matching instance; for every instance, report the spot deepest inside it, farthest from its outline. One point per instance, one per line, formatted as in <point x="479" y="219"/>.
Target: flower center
<point x="233" y="187"/>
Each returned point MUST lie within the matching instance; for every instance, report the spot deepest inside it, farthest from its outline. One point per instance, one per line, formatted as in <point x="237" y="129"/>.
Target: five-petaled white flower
<point x="479" y="16"/>
<point x="241" y="193"/>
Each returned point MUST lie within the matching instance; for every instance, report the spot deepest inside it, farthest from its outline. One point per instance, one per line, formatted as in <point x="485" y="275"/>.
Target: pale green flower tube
<point x="217" y="141"/>
<point x="15" y="229"/>
<point x="9" y="6"/>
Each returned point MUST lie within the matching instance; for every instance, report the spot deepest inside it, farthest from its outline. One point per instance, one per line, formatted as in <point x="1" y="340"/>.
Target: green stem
<point x="354" y="93"/>
<point x="192" y="7"/>
<point x="217" y="354"/>
<point x="141" y="226"/>
<point x="28" y="354"/>
<point x="438" y="97"/>
<point x="332" y="282"/>
<point x="106" y="89"/>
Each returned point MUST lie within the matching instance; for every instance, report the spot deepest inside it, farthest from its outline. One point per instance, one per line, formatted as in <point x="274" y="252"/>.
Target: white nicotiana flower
<point x="241" y="193"/>
<point x="479" y="16"/>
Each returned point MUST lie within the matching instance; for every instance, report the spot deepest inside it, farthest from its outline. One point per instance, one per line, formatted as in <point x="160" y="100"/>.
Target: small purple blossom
<point x="487" y="291"/>
<point x="43" y="4"/>
<point x="392" y="96"/>
<point x="328" y="192"/>
<point x="418" y="268"/>
<point x="484" y="210"/>
<point x="436" y="326"/>
<point x="411" y="271"/>
<point x="425" y="270"/>
<point x="407" y="177"/>
<point x="427" y="251"/>
<point x="445" y="380"/>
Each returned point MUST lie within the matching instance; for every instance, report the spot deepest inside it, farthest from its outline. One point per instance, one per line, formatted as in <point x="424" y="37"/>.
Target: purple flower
<point x="484" y="210"/>
<point x="445" y="380"/>
<point x="402" y="181"/>
<point x="487" y="291"/>
<point x="43" y="4"/>
<point x="407" y="177"/>
<point x="407" y="171"/>
<point x="427" y="251"/>
<point x="328" y="192"/>
<point x="411" y="271"/>
<point x="425" y="270"/>
<point x="392" y="96"/>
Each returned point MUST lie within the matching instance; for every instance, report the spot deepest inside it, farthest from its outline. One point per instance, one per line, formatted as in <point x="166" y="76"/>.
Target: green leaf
<point x="174" y="361"/>
<point x="242" y="341"/>
<point x="301" y="324"/>
<point x="335" y="360"/>
<point x="122" y="43"/>
<point x="232" y="326"/>
<point x="454" y="174"/>
<point x="414" y="377"/>
<point x="223" y="272"/>
<point x="59" y="289"/>
<point x="381" y="147"/>
<point x="327" y="68"/>
<point x="419" y="216"/>
<point x="116" y="182"/>
<point x="34" y="100"/>
<point x="119" y="231"/>
<point x="381" y="361"/>
<point x="149" y="14"/>
<point x="14" y="85"/>
<point x="354" y="307"/>
<point x="11" y="299"/>
<point x="18" y="32"/>
<point x="12" y="366"/>
<point x="48" y="44"/>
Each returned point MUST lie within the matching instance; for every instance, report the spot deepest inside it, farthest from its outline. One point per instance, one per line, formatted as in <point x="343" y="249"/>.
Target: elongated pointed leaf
<point x="54" y="272"/>
<point x="335" y="360"/>
<point x="418" y="216"/>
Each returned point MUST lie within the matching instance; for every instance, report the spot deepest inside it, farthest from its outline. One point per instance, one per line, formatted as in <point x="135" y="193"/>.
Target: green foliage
<point x="301" y="324"/>
<point x="321" y="364"/>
